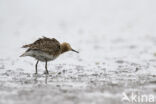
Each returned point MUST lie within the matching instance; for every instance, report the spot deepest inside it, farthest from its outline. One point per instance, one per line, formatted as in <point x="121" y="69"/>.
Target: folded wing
<point x="51" y="46"/>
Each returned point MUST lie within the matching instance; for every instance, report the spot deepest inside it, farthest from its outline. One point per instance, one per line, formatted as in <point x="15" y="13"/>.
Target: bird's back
<point x="47" y="45"/>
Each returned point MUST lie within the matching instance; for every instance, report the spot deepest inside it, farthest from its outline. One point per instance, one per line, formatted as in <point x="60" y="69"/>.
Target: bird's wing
<point x="35" y="43"/>
<point x="51" y="46"/>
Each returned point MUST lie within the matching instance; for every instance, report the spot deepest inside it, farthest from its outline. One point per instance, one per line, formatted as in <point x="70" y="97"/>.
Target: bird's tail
<point x="22" y="55"/>
<point x="26" y="46"/>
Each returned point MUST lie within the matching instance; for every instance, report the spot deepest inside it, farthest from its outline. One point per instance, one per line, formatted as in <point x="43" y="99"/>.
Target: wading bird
<point x="46" y="49"/>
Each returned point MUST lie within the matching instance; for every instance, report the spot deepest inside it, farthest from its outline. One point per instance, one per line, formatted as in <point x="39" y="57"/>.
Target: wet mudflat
<point x="76" y="84"/>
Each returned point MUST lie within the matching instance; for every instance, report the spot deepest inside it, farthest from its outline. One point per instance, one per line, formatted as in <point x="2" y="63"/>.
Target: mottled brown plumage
<point x="50" y="46"/>
<point x="46" y="49"/>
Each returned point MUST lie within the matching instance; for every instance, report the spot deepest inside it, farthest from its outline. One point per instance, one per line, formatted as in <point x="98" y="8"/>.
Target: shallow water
<point x="76" y="84"/>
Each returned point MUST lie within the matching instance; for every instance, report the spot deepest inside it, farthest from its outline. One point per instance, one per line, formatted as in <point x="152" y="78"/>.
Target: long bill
<point x="74" y="51"/>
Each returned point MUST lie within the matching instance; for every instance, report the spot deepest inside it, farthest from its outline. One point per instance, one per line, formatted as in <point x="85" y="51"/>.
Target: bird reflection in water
<point x="36" y="80"/>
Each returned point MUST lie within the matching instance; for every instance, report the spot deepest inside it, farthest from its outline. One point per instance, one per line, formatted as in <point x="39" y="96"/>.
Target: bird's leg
<point x="46" y="68"/>
<point x="36" y="66"/>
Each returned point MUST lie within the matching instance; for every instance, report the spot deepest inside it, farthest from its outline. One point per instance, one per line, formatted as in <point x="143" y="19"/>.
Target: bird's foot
<point x="46" y="72"/>
<point x="35" y="73"/>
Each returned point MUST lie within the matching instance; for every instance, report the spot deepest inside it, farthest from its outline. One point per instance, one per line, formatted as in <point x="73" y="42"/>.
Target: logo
<point x="137" y="98"/>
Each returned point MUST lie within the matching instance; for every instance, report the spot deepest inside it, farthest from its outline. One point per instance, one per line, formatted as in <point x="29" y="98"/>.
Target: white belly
<point x="39" y="55"/>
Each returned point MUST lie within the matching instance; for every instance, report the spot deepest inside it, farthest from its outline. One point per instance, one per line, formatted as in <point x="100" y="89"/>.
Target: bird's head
<point x="66" y="47"/>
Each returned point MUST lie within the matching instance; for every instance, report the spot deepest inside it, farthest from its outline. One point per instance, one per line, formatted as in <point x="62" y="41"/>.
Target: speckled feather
<point x="50" y="46"/>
